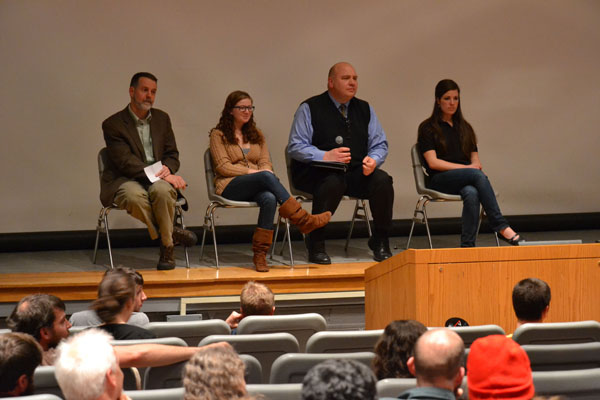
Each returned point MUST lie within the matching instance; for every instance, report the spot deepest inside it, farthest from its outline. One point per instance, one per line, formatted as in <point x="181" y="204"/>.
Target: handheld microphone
<point x="339" y="140"/>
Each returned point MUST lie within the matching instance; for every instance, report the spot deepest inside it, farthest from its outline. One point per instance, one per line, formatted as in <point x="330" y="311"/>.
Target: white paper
<point x="152" y="170"/>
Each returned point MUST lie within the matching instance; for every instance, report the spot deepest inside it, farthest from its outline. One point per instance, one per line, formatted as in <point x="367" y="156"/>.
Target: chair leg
<point x="361" y="205"/>
<point x="275" y="235"/>
<point x="367" y="216"/>
<point x="112" y="265"/>
<point x="287" y="234"/>
<point x="214" y="235"/>
<point x="179" y="221"/>
<point x="98" y="229"/>
<point x="420" y="209"/>
<point x="427" y="224"/>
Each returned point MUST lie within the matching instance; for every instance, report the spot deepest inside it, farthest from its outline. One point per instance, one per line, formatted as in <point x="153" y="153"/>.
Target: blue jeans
<point x="474" y="188"/>
<point x="262" y="187"/>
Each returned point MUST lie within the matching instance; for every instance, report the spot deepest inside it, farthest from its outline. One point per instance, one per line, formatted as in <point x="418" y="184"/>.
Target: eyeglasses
<point x="245" y="108"/>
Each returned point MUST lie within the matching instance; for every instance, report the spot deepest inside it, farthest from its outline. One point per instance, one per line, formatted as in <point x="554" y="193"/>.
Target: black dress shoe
<point x="380" y="247"/>
<point x="184" y="237"/>
<point x="316" y="252"/>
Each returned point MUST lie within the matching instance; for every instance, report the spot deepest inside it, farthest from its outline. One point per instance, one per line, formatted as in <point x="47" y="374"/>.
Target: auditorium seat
<point x="157" y="394"/>
<point x="471" y="333"/>
<point x="558" y="332"/>
<point x="394" y="386"/>
<point x="343" y="341"/>
<point x="192" y="332"/>
<point x="575" y="384"/>
<point x="284" y="391"/>
<point x="302" y="326"/>
<point x="45" y="381"/>
<point x="164" y="377"/>
<point x="37" y="397"/>
<point x="291" y="367"/>
<point x="253" y="369"/>
<point x="557" y="357"/>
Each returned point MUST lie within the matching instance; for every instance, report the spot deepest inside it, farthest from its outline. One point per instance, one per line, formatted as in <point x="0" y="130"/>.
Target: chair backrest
<point x="209" y="174"/>
<point x="285" y="391"/>
<point x="471" y="333"/>
<point x="102" y="161"/>
<point x="343" y="341"/>
<point x="557" y="357"/>
<point x="304" y="196"/>
<point x="158" y="394"/>
<point x="45" y="381"/>
<point x="266" y="347"/>
<point x="575" y="384"/>
<point x="253" y="369"/>
<point x="172" y="341"/>
<point x="291" y="367"/>
<point x="558" y="332"/>
<point x="192" y="332"/>
<point x="302" y="326"/>
<point x="393" y="387"/>
<point x="36" y="397"/>
<point x="74" y="330"/>
<point x="418" y="172"/>
<point x="164" y="377"/>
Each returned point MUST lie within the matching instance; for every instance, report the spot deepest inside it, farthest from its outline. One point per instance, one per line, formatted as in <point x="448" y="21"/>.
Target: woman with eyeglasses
<point x="449" y="147"/>
<point x="244" y="172"/>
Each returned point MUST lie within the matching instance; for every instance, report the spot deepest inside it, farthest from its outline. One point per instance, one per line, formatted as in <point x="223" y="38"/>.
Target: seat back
<point x="37" y="397"/>
<point x="418" y="169"/>
<point x="45" y="381"/>
<point x="556" y="357"/>
<point x="558" y="332"/>
<point x="286" y="391"/>
<point x="164" y="377"/>
<point x="471" y="333"/>
<point x="292" y="367"/>
<point x="102" y="161"/>
<point x="302" y="326"/>
<point x="266" y="347"/>
<point x="576" y="384"/>
<point x="343" y="341"/>
<point x="299" y="194"/>
<point x="253" y="369"/>
<point x="192" y="332"/>
<point x="158" y="394"/>
<point x="393" y="387"/>
<point x="209" y="175"/>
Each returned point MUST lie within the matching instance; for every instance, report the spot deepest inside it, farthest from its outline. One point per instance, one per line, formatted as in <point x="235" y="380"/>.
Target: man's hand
<point x="339" y="154"/>
<point x="234" y="319"/>
<point x="368" y="165"/>
<point x="164" y="172"/>
<point x="176" y="181"/>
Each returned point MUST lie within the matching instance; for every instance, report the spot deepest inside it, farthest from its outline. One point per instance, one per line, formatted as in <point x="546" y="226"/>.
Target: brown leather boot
<point x="298" y="216"/>
<point x="167" y="258"/>
<point x="261" y="241"/>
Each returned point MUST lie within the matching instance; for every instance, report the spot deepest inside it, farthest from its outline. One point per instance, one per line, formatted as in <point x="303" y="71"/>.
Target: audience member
<point x="87" y="368"/>
<point x="20" y="355"/>
<point x="531" y="300"/>
<point x="90" y="318"/>
<point x="256" y="299"/>
<point x="437" y="365"/>
<point x="335" y="126"/>
<point x="498" y="368"/>
<point x="114" y="305"/>
<point x="339" y="380"/>
<point x="395" y="347"/>
<point x="214" y="374"/>
<point x="43" y="317"/>
<point x="136" y="137"/>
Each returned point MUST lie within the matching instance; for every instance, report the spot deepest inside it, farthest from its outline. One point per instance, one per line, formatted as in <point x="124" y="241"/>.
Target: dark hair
<point x="395" y="347"/>
<point x="33" y="313"/>
<point x="339" y="380"/>
<point x="256" y="299"/>
<point x="530" y="298"/>
<point x="116" y="288"/>
<point x="468" y="140"/>
<point x="20" y="355"/>
<point x="137" y="277"/>
<point x="249" y="131"/>
<point x="135" y="79"/>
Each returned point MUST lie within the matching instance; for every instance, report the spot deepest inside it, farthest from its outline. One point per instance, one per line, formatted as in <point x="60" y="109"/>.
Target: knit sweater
<point x="229" y="160"/>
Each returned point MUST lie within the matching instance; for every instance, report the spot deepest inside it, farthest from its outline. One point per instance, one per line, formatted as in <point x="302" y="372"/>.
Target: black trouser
<point x="328" y="187"/>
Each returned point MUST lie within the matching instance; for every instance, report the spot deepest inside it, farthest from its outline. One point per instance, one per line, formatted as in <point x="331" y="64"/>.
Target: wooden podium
<point x="476" y="284"/>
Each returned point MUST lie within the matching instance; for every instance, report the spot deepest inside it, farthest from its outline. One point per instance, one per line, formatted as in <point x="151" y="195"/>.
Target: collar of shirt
<point x="139" y="121"/>
<point x="337" y="105"/>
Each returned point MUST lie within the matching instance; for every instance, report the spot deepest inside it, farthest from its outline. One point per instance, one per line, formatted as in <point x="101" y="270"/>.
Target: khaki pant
<point x="155" y="207"/>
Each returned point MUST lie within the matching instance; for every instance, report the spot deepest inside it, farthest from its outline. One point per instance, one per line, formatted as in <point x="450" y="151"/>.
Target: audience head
<point x="531" y="300"/>
<point x="229" y="114"/>
<point x="116" y="295"/>
<point x="20" y="355"/>
<point x="498" y="368"/>
<point x="41" y="316"/>
<point x="339" y="380"/>
<point x="87" y="367"/>
<point x="395" y="347"/>
<point x="140" y="295"/>
<point x="438" y="359"/>
<point x="214" y="373"/>
<point x="342" y="82"/>
<point x="256" y="299"/>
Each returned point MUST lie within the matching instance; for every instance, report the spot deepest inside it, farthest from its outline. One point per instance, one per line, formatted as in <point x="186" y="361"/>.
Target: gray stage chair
<point x="102" y="225"/>
<point x="253" y="369"/>
<point x="343" y="341"/>
<point x="45" y="381"/>
<point x="429" y="196"/>
<point x="575" y="384"/>
<point x="562" y="357"/>
<point x="291" y="367"/>
<point x="558" y="332"/>
<point x="158" y="394"/>
<point x="266" y="347"/>
<point x="302" y="326"/>
<point x="164" y="377"/>
<point x="36" y="397"/>
<point x="192" y="332"/>
<point x="74" y="330"/>
<point x="285" y="391"/>
<point x="471" y="333"/>
<point x="393" y="387"/>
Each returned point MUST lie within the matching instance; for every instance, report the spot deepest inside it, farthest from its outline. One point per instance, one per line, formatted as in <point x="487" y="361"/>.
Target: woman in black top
<point x="114" y="306"/>
<point x="449" y="147"/>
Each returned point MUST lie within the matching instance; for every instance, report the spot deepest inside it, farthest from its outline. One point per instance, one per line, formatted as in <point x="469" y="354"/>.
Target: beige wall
<point x="528" y="72"/>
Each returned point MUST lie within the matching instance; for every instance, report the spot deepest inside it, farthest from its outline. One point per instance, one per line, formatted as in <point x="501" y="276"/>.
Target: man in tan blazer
<point x="137" y="137"/>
